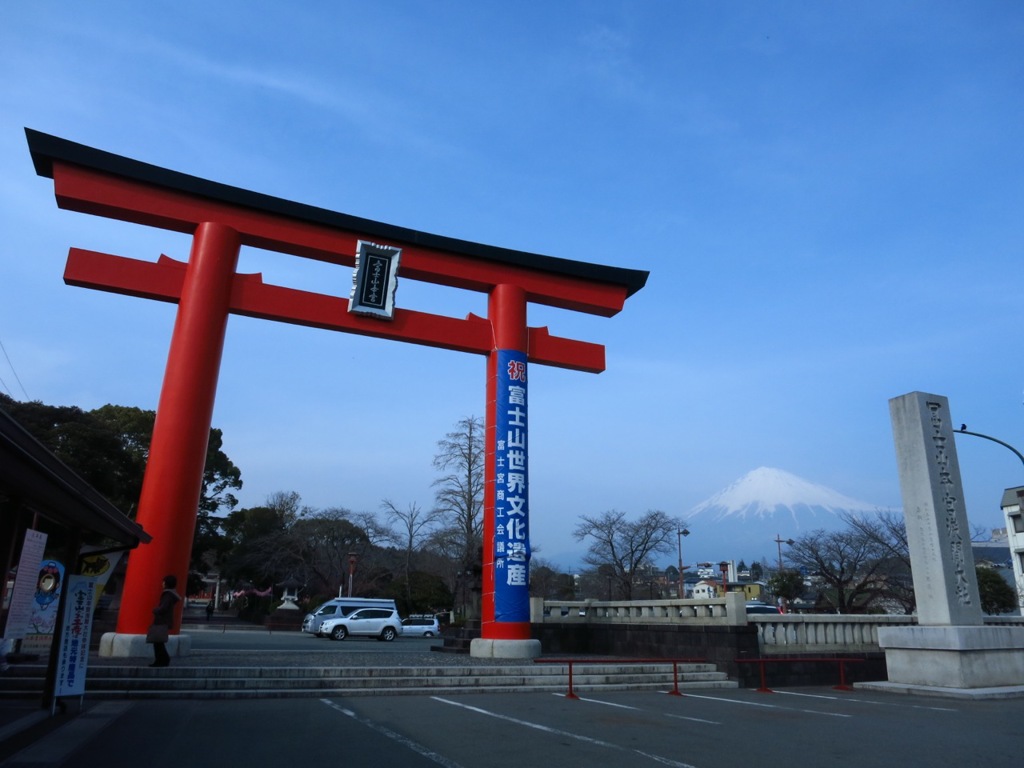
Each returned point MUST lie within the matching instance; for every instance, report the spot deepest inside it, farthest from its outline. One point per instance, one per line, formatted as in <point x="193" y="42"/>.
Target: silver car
<point x="341" y="606"/>
<point x="421" y="626"/>
<point x="382" y="623"/>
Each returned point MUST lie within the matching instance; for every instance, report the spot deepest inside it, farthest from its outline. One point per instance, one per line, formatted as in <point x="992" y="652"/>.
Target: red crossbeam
<point x="252" y="297"/>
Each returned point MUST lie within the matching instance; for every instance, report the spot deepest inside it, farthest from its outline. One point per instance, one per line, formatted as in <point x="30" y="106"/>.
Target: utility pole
<point x="679" y="543"/>
<point x="780" y="541"/>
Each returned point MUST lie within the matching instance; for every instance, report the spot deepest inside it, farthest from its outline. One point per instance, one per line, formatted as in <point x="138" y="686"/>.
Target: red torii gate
<point x="221" y="220"/>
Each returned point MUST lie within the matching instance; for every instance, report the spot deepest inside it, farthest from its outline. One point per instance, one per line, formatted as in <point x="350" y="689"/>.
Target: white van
<point x="341" y="606"/>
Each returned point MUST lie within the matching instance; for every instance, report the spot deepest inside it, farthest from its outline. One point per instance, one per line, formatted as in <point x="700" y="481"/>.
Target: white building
<point x="1013" y="506"/>
<point x="705" y="590"/>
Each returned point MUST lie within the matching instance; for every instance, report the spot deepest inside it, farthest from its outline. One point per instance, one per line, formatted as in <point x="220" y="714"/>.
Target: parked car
<point x="757" y="607"/>
<point x="340" y="606"/>
<point x="382" y="623"/>
<point x="421" y="626"/>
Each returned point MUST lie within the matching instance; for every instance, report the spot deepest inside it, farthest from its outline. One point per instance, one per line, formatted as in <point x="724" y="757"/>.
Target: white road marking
<point x="567" y="734"/>
<point x="901" y="705"/>
<point x="605" y="703"/>
<point x="406" y="742"/>
<point x="693" y="719"/>
<point x="639" y="709"/>
<point x="767" y="706"/>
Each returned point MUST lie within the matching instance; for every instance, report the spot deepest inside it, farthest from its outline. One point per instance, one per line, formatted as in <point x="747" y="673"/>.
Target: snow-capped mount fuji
<point x="745" y="519"/>
<point x="772" y="493"/>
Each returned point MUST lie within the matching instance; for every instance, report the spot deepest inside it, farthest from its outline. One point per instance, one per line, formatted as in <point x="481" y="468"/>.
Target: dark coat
<point x="164" y="611"/>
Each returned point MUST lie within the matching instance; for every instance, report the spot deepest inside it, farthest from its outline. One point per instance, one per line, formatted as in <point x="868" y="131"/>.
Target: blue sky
<point x="828" y="197"/>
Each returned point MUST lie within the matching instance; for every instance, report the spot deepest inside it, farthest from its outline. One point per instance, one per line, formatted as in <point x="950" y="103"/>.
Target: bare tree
<point x="413" y="525"/>
<point x="888" y="530"/>
<point x="547" y="581"/>
<point x="459" y="498"/>
<point x="377" y="534"/>
<point x="321" y="542"/>
<point x="443" y="543"/>
<point x="625" y="547"/>
<point x="848" y="564"/>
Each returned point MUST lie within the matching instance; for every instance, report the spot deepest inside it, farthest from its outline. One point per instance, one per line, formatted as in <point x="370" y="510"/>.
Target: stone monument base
<point x="504" y="649"/>
<point x="976" y="661"/>
<point x="285" y="618"/>
<point x="115" y="645"/>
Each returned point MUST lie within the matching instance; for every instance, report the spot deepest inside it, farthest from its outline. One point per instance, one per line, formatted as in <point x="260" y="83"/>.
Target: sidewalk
<point x="24" y="722"/>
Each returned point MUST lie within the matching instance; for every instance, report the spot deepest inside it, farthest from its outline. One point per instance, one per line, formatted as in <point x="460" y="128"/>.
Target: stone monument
<point x="951" y="650"/>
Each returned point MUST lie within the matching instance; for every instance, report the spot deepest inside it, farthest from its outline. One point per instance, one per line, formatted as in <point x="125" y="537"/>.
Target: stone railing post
<point x="735" y="608"/>
<point x="537" y="610"/>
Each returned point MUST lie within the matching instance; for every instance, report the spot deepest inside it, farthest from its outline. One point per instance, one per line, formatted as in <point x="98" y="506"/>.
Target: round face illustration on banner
<point x="48" y="584"/>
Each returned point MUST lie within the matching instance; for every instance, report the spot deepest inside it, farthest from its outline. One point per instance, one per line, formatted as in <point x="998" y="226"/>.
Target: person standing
<point x="163" y="618"/>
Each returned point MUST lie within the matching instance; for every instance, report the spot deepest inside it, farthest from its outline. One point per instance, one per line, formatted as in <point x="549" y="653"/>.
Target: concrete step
<point x="179" y="681"/>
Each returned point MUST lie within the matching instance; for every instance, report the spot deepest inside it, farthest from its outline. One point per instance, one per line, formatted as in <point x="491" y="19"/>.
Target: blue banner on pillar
<point x="511" y="497"/>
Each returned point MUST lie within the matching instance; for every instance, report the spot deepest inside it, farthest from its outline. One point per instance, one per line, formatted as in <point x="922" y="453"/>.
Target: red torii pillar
<point x="181" y="431"/>
<point x="507" y="312"/>
<point x="221" y="219"/>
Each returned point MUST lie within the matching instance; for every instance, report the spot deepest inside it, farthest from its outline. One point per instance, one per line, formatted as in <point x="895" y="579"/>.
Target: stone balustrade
<point x="728" y="610"/>
<point x="781" y="634"/>
<point x="835" y="632"/>
<point x="822" y="633"/>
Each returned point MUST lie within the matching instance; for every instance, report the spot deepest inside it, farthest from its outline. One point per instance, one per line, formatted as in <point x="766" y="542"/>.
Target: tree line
<point x="427" y="559"/>
<point x="864" y="567"/>
<point x="430" y="558"/>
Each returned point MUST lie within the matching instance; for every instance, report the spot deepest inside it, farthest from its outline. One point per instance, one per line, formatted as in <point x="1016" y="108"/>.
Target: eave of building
<point x="36" y="478"/>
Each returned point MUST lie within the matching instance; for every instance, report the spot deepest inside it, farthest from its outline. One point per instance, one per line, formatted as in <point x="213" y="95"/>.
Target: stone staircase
<point x="183" y="682"/>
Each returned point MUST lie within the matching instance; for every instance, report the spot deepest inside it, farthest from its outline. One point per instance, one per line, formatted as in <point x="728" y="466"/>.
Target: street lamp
<point x="679" y="543"/>
<point x="963" y="431"/>
<point x="351" y="571"/>
<point x="780" y="541"/>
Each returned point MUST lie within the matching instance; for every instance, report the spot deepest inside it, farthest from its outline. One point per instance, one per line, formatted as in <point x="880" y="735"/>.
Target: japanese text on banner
<point x="511" y="506"/>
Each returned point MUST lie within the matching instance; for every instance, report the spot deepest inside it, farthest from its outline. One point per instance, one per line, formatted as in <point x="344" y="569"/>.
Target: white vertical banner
<point x="73" y="657"/>
<point x="24" y="592"/>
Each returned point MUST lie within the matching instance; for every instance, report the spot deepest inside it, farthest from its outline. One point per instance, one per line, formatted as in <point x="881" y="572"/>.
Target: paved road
<point x="810" y="727"/>
<point x="806" y="727"/>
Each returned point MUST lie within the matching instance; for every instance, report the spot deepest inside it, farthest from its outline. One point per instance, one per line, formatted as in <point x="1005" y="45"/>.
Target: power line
<point x="16" y="376"/>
